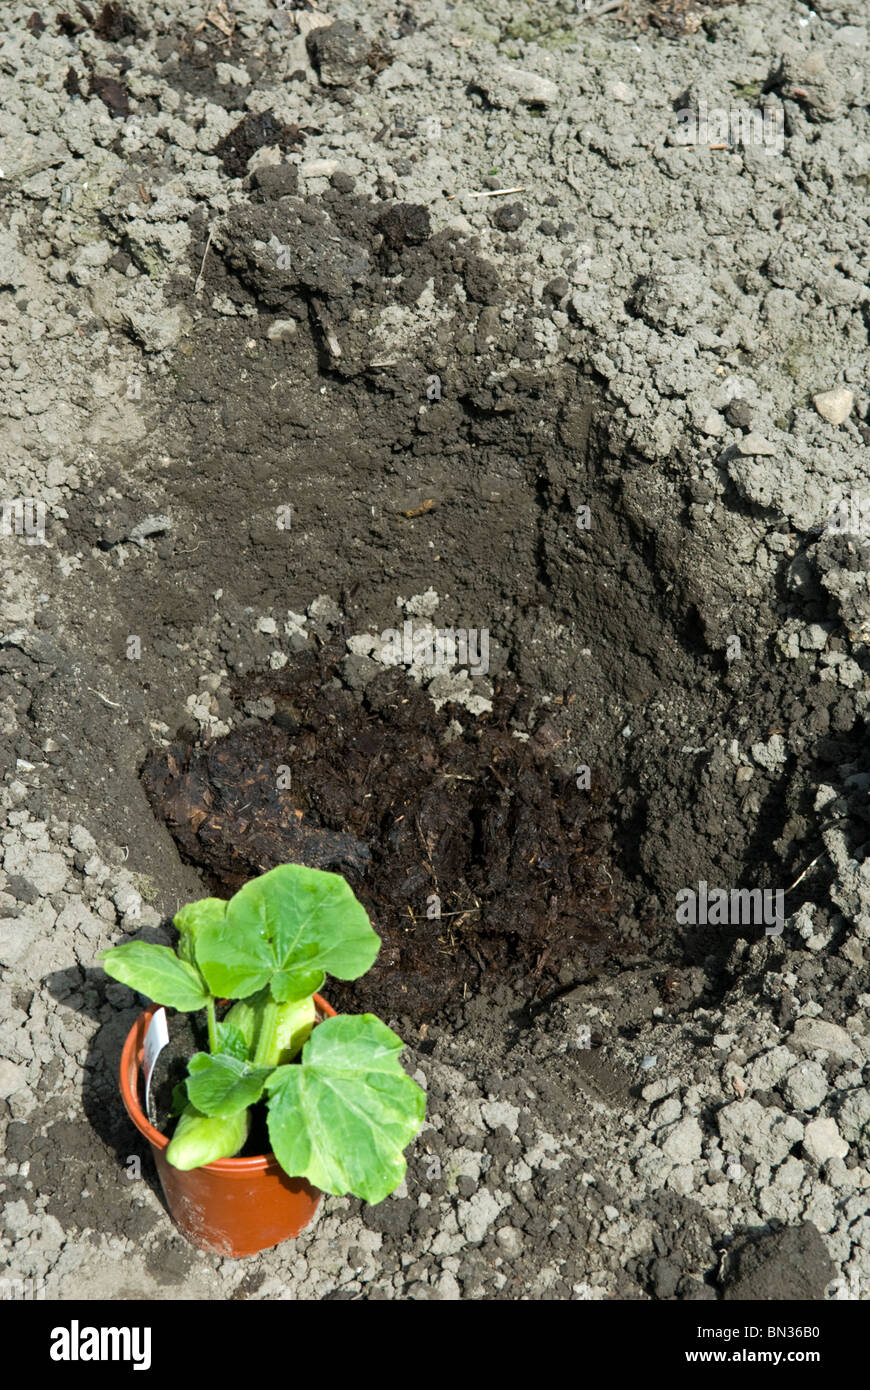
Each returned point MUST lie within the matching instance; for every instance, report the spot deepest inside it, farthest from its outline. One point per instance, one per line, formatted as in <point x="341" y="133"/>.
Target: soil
<point x="473" y="854"/>
<point x="187" y="1035"/>
<point x="288" y="370"/>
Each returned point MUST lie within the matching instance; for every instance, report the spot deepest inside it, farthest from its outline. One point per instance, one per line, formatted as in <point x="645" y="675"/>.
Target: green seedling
<point x="340" y="1107"/>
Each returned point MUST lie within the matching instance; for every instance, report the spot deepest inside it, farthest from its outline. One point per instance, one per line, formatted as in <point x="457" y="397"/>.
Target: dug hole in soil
<point x="299" y="402"/>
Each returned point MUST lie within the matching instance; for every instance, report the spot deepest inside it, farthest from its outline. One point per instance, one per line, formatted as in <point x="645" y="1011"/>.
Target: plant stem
<point x="212" y="1025"/>
<point x="263" y="1057"/>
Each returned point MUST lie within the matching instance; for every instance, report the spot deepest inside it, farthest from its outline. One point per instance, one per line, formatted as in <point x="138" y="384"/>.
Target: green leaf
<point x="232" y="1041"/>
<point x="201" y="1139"/>
<point x="288" y="986"/>
<point x="157" y="973"/>
<point x="306" y="922"/>
<point x="190" y="919"/>
<point x="234" y="956"/>
<point x="222" y="1085"/>
<point x="179" y="1100"/>
<point x="342" y="1116"/>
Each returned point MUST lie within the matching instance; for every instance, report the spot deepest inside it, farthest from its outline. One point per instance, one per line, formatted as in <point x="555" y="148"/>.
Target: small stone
<point x="817" y="1035"/>
<point x="447" y="1287"/>
<point x="319" y="169"/>
<point x="853" y="1116"/>
<point x="681" y="1179"/>
<point x="853" y="34"/>
<point x="82" y="840"/>
<point x="267" y="625"/>
<point x="12" y="1078"/>
<point x="790" y="1175"/>
<point x="768" y="1068"/>
<point x="281" y="330"/>
<point x="815" y="637"/>
<point x="806" y="1086"/>
<point x="510" y="1240"/>
<point x="772" y="754"/>
<point x="765" y="1134"/>
<point x="753" y="443"/>
<point x="657" y="1090"/>
<point x="324" y="609"/>
<point x="822" y="1140"/>
<point x="45" y="870"/>
<point x="509" y="85"/>
<point x="18" y="1219"/>
<point x="714" y="424"/>
<point x="420" y="1292"/>
<point x="157" y="330"/>
<point x="665" y="1113"/>
<point x="149" y="526"/>
<point x="835" y="406"/>
<point x="500" y="1112"/>
<point x="477" y="1215"/>
<point x="683" y="1142"/>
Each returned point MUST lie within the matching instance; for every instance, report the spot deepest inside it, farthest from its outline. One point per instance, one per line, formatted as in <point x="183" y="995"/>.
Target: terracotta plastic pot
<point x="236" y="1206"/>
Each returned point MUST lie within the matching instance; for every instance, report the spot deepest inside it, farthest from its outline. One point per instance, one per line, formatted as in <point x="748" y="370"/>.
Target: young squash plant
<point x="340" y="1107"/>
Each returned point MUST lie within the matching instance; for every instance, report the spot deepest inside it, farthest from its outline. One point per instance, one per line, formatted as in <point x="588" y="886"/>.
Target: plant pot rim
<point x="131" y="1057"/>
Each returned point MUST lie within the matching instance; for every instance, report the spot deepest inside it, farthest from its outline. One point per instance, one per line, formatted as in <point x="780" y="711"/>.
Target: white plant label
<point x="156" y="1039"/>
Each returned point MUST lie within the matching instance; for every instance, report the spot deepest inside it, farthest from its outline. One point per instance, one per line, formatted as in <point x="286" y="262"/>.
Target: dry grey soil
<point x="281" y="378"/>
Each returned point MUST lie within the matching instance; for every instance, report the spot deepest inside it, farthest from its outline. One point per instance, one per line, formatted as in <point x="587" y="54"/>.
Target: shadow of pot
<point x="236" y="1206"/>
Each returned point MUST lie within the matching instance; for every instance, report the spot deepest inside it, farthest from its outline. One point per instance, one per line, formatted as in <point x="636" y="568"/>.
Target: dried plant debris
<point x="677" y="18"/>
<point x="114" y="23"/>
<point x="471" y="850"/>
<point x="112" y="94"/>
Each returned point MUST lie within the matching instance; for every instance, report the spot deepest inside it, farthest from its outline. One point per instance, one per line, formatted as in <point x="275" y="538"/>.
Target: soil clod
<point x="250" y="135"/>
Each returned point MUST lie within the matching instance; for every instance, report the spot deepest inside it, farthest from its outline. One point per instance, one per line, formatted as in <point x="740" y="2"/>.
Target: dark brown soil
<point x="422" y="816"/>
<point x="187" y="1035"/>
<point x="250" y="135"/>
